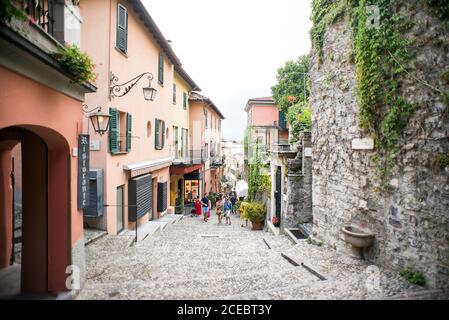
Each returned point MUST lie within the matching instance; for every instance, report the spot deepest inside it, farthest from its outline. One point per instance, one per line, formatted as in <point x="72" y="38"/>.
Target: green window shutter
<point x="122" y="28"/>
<point x="161" y="68"/>
<point x="187" y="139"/>
<point x="174" y="93"/>
<point x="185" y="100"/>
<point x="128" y="131"/>
<point x="282" y="120"/>
<point x="113" y="131"/>
<point x="163" y="134"/>
<point x="156" y="134"/>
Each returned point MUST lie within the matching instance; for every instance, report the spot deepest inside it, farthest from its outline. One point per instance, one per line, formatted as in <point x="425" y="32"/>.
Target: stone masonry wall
<point x="298" y="204"/>
<point x="411" y="223"/>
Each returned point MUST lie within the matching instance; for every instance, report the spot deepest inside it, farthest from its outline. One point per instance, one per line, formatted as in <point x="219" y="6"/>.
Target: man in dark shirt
<point x="205" y="205"/>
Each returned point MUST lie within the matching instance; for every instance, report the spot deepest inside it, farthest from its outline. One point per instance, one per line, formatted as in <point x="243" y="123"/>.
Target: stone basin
<point x="358" y="238"/>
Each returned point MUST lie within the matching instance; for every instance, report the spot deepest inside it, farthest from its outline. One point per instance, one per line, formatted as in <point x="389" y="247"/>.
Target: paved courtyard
<point x="195" y="260"/>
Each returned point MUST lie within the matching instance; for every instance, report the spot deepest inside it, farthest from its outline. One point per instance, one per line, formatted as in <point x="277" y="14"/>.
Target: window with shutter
<point x="113" y="131"/>
<point x="161" y="69"/>
<point x="163" y="135"/>
<point x="156" y="134"/>
<point x="184" y="100"/>
<point x="122" y="28"/>
<point x="174" y="93"/>
<point x="128" y="131"/>
<point x="140" y="197"/>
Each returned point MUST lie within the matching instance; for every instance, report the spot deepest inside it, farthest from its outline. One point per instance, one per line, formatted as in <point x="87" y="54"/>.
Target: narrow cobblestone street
<point x="196" y="260"/>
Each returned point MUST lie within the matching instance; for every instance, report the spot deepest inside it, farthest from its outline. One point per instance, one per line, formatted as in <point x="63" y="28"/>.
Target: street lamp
<point x="119" y="90"/>
<point x="149" y="93"/>
<point x="99" y="120"/>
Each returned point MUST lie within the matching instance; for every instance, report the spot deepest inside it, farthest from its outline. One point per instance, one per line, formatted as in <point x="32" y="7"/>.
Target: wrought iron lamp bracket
<point x="117" y="90"/>
<point x="87" y="111"/>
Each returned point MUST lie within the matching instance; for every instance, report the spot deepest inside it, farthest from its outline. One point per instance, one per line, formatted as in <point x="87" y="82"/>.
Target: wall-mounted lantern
<point x="119" y="90"/>
<point x="99" y="120"/>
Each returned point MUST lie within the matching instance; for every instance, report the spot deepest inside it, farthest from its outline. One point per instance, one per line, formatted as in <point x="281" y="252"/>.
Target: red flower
<point x="291" y="99"/>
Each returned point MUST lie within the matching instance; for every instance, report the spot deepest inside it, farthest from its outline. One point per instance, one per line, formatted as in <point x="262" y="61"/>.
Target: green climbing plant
<point x="257" y="180"/>
<point x="9" y="11"/>
<point x="291" y="93"/>
<point x="77" y="64"/>
<point x="381" y="55"/>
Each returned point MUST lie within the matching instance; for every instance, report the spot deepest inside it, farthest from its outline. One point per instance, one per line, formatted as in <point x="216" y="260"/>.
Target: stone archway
<point x="45" y="207"/>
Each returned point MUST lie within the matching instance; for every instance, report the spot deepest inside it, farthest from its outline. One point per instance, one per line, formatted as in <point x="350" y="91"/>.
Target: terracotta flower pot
<point x="257" y="225"/>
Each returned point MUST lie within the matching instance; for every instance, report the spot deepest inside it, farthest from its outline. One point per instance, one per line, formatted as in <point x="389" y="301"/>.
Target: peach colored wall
<point x="264" y="115"/>
<point x="209" y="135"/>
<point x="196" y="119"/>
<point x="142" y="56"/>
<point x="180" y="115"/>
<point x="42" y="106"/>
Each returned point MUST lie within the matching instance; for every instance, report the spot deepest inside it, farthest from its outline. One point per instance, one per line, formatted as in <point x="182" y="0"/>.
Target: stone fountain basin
<point x="357" y="237"/>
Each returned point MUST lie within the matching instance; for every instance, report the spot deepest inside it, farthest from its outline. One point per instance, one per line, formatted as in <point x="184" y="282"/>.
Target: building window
<point x="159" y="134"/>
<point x="175" y="142"/>
<point x="120" y="131"/>
<point x="122" y="28"/>
<point x="205" y="118"/>
<point x="174" y="93"/>
<point x="185" y="101"/>
<point x="160" y="75"/>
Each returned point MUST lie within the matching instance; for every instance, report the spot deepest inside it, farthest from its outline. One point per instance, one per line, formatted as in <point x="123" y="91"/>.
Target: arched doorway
<point x="37" y="266"/>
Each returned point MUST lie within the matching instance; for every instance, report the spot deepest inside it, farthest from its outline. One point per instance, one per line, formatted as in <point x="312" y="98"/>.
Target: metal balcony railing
<point x="191" y="156"/>
<point x="42" y="13"/>
<point x="216" y="161"/>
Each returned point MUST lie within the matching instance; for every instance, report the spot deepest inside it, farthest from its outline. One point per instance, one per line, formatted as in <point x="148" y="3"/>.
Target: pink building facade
<point x="132" y="161"/>
<point x="41" y="225"/>
<point x="265" y="125"/>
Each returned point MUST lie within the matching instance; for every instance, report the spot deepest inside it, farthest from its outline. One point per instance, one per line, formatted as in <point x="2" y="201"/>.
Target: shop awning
<point x="144" y="167"/>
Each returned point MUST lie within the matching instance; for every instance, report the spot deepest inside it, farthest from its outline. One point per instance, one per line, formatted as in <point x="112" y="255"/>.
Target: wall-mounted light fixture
<point x="119" y="90"/>
<point x="99" y="120"/>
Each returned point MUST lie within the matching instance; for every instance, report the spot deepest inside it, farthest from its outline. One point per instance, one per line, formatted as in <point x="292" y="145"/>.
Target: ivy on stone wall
<point x="380" y="53"/>
<point x="258" y="182"/>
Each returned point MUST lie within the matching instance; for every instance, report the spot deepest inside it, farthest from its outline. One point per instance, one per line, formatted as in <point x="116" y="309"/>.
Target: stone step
<point x="92" y="235"/>
<point x="201" y="287"/>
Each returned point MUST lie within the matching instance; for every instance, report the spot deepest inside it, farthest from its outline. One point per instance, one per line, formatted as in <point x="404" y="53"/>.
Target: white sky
<point x="233" y="48"/>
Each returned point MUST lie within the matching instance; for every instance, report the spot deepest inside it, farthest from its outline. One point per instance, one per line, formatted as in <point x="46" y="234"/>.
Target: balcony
<point x="216" y="161"/>
<point x="189" y="157"/>
<point x="50" y="23"/>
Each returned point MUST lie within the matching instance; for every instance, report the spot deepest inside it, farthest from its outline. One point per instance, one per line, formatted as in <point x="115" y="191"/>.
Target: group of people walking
<point x="224" y="205"/>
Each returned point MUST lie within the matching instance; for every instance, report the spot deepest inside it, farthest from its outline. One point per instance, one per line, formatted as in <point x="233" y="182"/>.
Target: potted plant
<point x="255" y="212"/>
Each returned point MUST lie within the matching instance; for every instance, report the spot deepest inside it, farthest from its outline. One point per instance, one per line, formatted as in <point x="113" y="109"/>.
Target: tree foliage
<point x="292" y="84"/>
<point x="299" y="116"/>
<point x="291" y="95"/>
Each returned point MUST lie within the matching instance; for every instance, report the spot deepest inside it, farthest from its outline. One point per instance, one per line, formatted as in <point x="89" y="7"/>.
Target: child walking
<point x="227" y="207"/>
<point x="219" y="208"/>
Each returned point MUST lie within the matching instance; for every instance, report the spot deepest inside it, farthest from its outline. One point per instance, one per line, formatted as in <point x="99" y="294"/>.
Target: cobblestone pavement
<point x="196" y="260"/>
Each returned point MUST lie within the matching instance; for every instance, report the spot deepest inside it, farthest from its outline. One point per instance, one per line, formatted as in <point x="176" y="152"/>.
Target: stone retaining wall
<point x="411" y="222"/>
